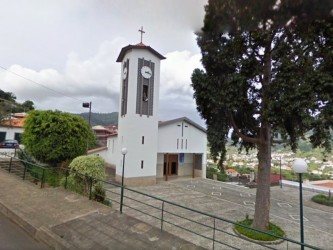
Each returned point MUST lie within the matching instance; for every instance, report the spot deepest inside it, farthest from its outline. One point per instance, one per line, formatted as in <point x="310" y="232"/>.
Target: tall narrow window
<point x="145" y="93"/>
<point x="143" y="140"/>
<point x="124" y="91"/>
<point x="141" y="164"/>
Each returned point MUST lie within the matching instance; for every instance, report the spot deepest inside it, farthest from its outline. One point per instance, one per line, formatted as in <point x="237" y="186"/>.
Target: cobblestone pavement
<point x="231" y="202"/>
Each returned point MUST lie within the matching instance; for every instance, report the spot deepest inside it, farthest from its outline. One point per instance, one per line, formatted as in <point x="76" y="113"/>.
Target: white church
<point x="155" y="149"/>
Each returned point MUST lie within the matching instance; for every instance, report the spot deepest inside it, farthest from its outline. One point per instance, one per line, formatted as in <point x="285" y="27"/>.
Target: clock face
<point x="124" y="73"/>
<point x="146" y="72"/>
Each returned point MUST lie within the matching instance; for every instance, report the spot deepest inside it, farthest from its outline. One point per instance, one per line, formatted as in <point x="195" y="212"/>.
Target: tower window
<point x="141" y="164"/>
<point x="145" y="93"/>
<point x="143" y="140"/>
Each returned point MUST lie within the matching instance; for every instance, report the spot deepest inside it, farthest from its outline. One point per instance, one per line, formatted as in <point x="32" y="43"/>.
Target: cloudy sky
<point x="60" y="53"/>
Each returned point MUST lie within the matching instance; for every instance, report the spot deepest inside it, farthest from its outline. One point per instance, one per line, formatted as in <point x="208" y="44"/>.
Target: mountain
<point x="103" y="119"/>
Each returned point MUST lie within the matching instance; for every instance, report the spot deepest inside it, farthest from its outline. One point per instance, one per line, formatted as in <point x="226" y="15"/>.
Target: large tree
<point x="53" y="136"/>
<point x="268" y="71"/>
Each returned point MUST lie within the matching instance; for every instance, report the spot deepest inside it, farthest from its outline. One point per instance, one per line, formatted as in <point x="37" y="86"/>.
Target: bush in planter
<point x="72" y="184"/>
<point x="323" y="199"/>
<point x="252" y="234"/>
<point x="210" y="172"/>
<point x="99" y="194"/>
<point x="87" y="169"/>
<point x="222" y="177"/>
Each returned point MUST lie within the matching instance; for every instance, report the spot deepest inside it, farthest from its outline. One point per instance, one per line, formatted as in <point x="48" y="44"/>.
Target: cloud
<point x="93" y="78"/>
<point x="177" y="70"/>
<point x="176" y="93"/>
<point x="97" y="79"/>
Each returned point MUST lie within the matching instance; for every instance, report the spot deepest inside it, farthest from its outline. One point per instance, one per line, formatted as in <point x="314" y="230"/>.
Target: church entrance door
<point x="170" y="164"/>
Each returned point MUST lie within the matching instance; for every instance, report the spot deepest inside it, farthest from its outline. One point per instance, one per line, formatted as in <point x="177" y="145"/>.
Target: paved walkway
<point x="65" y="220"/>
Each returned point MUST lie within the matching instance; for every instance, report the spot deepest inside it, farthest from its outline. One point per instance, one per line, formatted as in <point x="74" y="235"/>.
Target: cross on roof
<point x="141" y="31"/>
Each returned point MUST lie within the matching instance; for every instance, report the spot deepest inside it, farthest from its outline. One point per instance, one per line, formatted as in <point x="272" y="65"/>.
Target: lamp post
<point x="280" y="174"/>
<point x="87" y="105"/>
<point x="123" y="152"/>
<point x="300" y="167"/>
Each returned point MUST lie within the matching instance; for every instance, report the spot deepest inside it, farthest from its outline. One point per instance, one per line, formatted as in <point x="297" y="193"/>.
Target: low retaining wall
<point x="310" y="187"/>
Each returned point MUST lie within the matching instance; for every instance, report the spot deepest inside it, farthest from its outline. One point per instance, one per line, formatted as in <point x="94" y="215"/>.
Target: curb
<point x="45" y="235"/>
<point x="42" y="234"/>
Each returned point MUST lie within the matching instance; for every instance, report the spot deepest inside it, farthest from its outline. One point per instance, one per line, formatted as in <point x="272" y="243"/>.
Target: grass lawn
<point x="273" y="229"/>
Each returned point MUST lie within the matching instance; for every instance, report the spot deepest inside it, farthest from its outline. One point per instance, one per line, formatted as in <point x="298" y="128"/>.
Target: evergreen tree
<point x="268" y="70"/>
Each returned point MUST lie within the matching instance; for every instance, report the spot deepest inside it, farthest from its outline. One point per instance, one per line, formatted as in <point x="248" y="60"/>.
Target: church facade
<point x="155" y="149"/>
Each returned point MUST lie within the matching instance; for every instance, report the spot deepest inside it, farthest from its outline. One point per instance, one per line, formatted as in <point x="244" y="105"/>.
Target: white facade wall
<point x="132" y="126"/>
<point x="186" y="168"/>
<point x="10" y="131"/>
<point x="108" y="154"/>
<point x="193" y="140"/>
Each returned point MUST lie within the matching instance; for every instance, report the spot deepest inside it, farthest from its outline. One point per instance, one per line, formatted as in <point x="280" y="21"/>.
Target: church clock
<point x="145" y="87"/>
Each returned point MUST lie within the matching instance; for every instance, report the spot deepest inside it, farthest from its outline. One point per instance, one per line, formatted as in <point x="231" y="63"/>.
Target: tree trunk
<point x="262" y="206"/>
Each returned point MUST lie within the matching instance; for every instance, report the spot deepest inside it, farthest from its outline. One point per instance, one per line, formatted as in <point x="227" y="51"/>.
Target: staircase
<point x="18" y="167"/>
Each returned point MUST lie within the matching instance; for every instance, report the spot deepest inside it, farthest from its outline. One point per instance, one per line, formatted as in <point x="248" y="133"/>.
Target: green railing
<point x="168" y="216"/>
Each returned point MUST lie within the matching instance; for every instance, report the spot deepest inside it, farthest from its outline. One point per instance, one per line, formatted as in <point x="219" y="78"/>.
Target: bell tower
<point x="138" y="114"/>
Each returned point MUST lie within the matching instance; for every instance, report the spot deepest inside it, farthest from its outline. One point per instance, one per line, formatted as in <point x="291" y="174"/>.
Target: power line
<point x="41" y="85"/>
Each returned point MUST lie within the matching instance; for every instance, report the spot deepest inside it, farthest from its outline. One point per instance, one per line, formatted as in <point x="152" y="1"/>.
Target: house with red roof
<point x="12" y="128"/>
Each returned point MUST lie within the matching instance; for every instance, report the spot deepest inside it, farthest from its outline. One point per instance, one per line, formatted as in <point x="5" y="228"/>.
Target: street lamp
<point x="123" y="152"/>
<point x="300" y="167"/>
<point x="87" y="105"/>
<point x="280" y="174"/>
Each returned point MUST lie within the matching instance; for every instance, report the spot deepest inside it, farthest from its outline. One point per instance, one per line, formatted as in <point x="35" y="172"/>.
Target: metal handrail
<point x="163" y="210"/>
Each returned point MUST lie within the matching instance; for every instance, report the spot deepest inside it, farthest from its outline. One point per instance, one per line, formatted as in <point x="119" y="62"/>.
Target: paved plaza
<point x="233" y="202"/>
<point x="66" y="220"/>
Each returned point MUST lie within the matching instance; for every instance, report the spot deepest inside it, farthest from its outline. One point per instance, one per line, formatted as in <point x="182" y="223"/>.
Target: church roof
<point x="138" y="46"/>
<point x="164" y="123"/>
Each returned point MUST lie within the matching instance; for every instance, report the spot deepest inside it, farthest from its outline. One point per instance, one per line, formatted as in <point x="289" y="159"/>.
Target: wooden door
<point x="170" y="164"/>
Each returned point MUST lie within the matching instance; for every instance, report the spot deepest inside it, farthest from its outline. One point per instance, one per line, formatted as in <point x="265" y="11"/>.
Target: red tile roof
<point x="15" y="121"/>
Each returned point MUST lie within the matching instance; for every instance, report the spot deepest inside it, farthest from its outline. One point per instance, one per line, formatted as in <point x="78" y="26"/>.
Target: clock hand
<point x="147" y="72"/>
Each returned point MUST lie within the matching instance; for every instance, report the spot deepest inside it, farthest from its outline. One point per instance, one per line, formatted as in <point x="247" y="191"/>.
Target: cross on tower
<point x="141" y="31"/>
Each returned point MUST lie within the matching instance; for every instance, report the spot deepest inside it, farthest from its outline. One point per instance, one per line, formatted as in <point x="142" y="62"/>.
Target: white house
<point x="154" y="149"/>
<point x="12" y="128"/>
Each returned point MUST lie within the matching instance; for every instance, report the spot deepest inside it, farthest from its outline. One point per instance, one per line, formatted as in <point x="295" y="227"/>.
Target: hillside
<point x="103" y="119"/>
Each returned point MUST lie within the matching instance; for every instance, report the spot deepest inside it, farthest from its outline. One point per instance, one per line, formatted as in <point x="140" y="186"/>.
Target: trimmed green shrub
<point x="88" y="169"/>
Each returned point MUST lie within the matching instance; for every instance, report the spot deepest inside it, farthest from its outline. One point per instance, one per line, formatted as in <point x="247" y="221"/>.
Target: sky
<point x="61" y="53"/>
